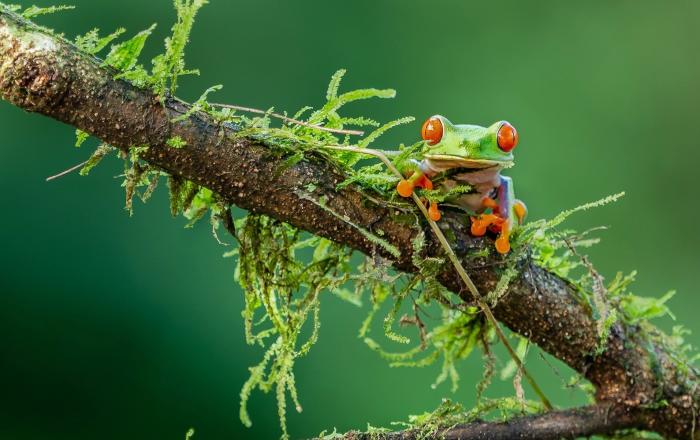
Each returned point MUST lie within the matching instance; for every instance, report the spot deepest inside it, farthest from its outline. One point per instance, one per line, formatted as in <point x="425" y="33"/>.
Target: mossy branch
<point x="554" y="425"/>
<point x="43" y="73"/>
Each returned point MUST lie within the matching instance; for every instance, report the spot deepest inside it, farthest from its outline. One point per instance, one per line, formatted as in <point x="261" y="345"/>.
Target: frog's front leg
<point x="416" y="178"/>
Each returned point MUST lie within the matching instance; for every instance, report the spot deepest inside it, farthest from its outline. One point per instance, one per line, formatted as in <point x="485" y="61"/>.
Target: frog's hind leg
<point x="508" y="207"/>
<point x="503" y="240"/>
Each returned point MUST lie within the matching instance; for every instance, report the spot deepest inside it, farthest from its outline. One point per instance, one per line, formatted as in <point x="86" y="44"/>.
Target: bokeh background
<point x="115" y="327"/>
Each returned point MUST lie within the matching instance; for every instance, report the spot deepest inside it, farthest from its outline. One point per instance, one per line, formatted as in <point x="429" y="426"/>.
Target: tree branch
<point x="44" y="74"/>
<point x="553" y="425"/>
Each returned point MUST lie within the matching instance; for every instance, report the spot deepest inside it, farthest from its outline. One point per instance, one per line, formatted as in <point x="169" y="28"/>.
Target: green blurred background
<point x="115" y="327"/>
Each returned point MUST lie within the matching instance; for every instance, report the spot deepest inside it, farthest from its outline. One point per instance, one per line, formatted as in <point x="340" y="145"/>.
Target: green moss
<point x="560" y="253"/>
<point x="35" y="11"/>
<point x="96" y="157"/>
<point x="124" y="56"/>
<point x="80" y="138"/>
<point x="285" y="292"/>
<point x="169" y="66"/>
<point x="432" y="424"/>
<point x="176" y="142"/>
<point x="93" y="44"/>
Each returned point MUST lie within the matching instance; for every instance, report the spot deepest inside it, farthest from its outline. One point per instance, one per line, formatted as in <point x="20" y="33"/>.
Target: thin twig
<point x="600" y="292"/>
<point x="288" y="119"/>
<point x="68" y="171"/>
<point x="458" y="266"/>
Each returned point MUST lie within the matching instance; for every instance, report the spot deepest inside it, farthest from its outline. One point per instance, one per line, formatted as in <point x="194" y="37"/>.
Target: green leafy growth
<point x="96" y="157"/>
<point x="433" y="424"/>
<point x="286" y="292"/>
<point x="559" y="252"/>
<point x="11" y="7"/>
<point x="136" y="174"/>
<point x="80" y="138"/>
<point x="530" y="230"/>
<point x="328" y="114"/>
<point x="171" y="64"/>
<point x="92" y="43"/>
<point x="124" y="56"/>
<point x="167" y="67"/>
<point x="176" y="142"/>
<point x="502" y="286"/>
<point x="182" y="193"/>
<point x="639" y="308"/>
<point x="364" y="143"/>
<point x="35" y="11"/>
<point x="439" y="196"/>
<point x="452" y="340"/>
<point x="200" y="104"/>
<point x="370" y="236"/>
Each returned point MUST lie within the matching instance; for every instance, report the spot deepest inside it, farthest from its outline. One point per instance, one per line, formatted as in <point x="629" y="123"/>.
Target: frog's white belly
<point x="484" y="183"/>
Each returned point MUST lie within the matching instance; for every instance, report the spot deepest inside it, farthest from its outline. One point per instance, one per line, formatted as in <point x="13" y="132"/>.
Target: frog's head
<point x="469" y="146"/>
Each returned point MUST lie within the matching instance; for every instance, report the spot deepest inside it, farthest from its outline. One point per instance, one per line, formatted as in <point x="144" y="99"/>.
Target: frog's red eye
<point x="432" y="130"/>
<point x="507" y="137"/>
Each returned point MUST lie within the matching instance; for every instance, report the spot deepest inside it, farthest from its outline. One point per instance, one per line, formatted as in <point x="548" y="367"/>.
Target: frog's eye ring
<point x="432" y="130"/>
<point x="507" y="137"/>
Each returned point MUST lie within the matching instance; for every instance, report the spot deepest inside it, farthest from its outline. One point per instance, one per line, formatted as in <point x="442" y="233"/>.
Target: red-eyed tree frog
<point x="469" y="155"/>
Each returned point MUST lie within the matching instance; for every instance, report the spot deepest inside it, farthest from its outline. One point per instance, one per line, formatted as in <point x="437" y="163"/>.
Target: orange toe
<point x="503" y="244"/>
<point x="434" y="212"/>
<point x="520" y="210"/>
<point x="404" y="188"/>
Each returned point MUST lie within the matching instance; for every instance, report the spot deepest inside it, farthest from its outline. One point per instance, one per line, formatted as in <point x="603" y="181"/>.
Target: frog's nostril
<point x="432" y="130"/>
<point x="507" y="137"/>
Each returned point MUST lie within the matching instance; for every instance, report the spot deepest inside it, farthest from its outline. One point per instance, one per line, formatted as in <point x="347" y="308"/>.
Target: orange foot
<point x="481" y="223"/>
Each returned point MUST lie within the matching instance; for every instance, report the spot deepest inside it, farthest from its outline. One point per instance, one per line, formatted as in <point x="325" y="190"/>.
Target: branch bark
<point x="42" y="73"/>
<point x="554" y="425"/>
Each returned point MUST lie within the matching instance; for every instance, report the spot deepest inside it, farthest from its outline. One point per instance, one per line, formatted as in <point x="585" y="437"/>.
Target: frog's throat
<point x="445" y="162"/>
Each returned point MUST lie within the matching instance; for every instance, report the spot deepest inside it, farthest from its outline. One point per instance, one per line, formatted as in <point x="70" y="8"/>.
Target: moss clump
<point x="448" y="414"/>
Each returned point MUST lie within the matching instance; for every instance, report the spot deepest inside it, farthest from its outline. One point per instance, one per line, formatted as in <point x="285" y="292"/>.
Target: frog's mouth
<point x="448" y="161"/>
